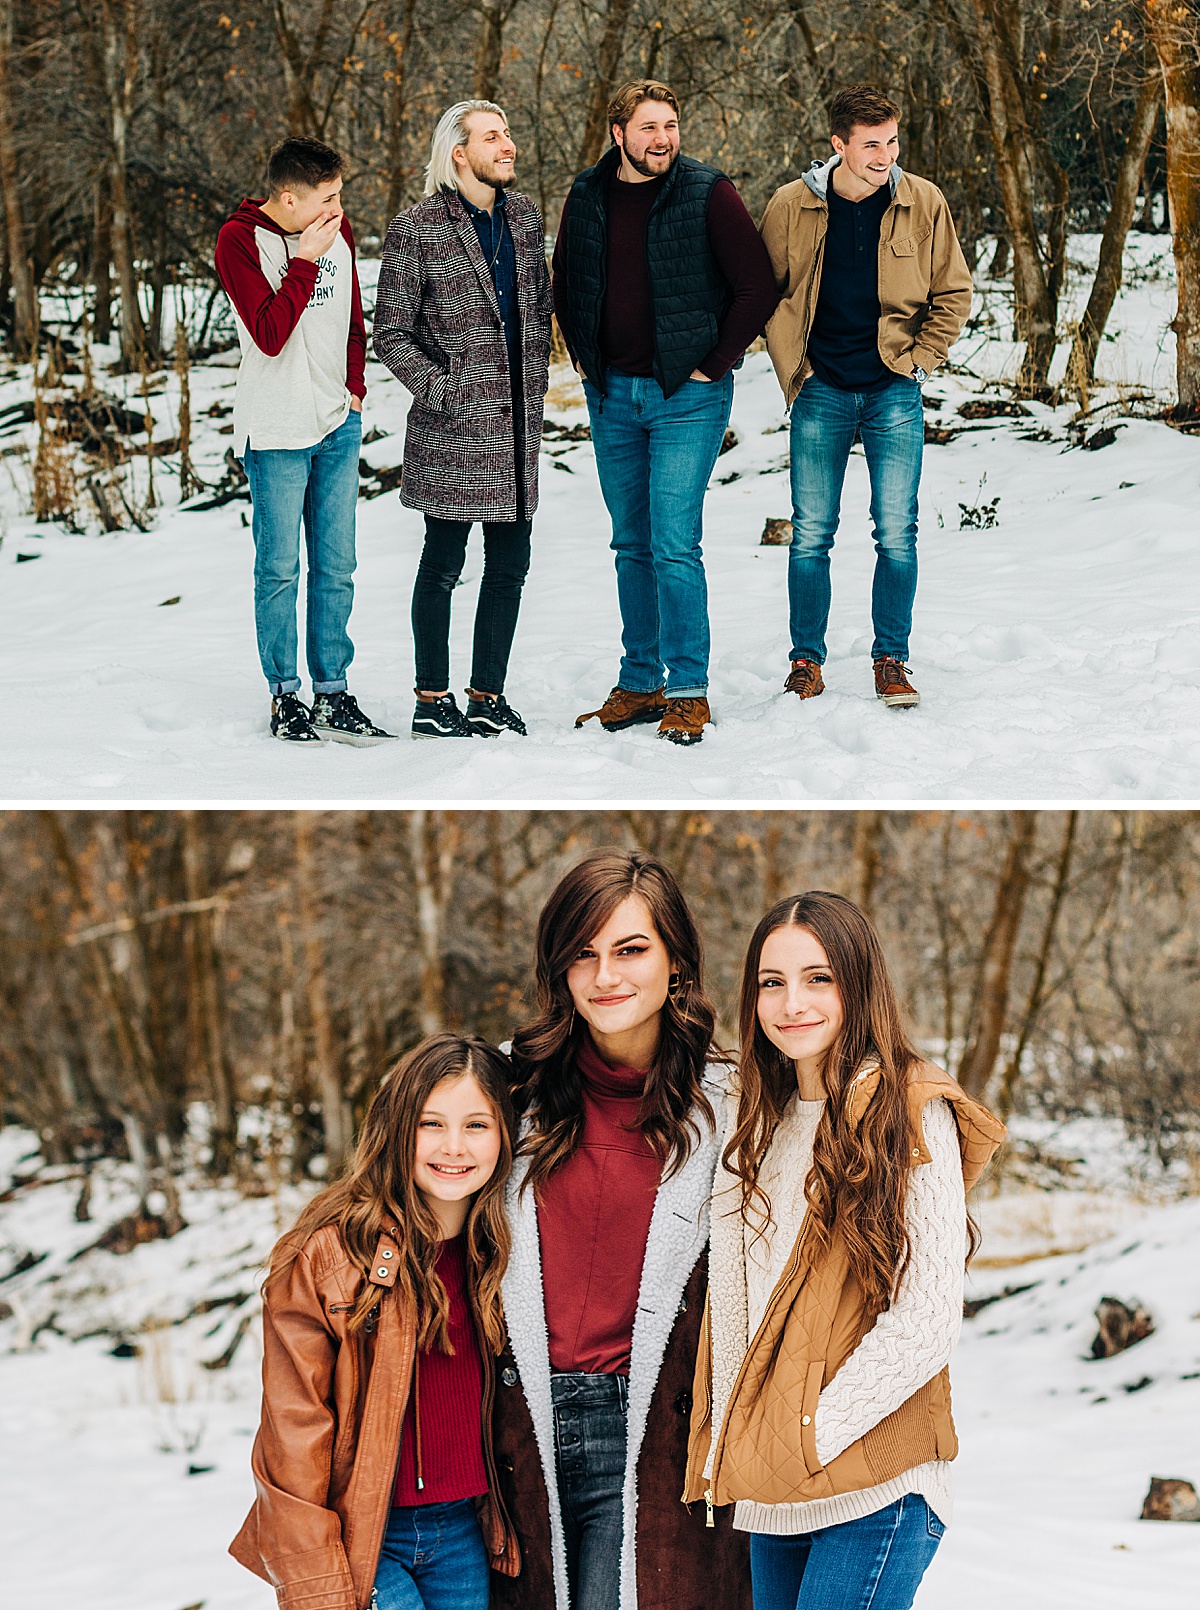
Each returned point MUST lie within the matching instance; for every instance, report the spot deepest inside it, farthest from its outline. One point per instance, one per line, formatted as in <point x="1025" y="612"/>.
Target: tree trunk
<point x="120" y="78"/>
<point x="102" y="262"/>
<point x="1081" y="366"/>
<point x="493" y="14"/>
<point x="612" y="43"/>
<point x="24" y="290"/>
<point x="995" y="970"/>
<point x="868" y="834"/>
<point x="1174" y="27"/>
<point x="1017" y="161"/>
<point x="329" y="1082"/>
<point x="433" y="842"/>
<point x="399" y="39"/>
<point x="1037" y="990"/>
<point x="206" y="1001"/>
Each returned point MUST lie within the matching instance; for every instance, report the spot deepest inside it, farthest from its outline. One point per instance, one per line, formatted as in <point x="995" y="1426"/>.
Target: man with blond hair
<point x="462" y="318"/>
<point x="660" y="284"/>
<point x="874" y="292"/>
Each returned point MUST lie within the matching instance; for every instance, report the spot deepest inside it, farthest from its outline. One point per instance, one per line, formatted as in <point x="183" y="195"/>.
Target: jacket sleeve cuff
<point x="925" y="358"/>
<point x="301" y="268"/>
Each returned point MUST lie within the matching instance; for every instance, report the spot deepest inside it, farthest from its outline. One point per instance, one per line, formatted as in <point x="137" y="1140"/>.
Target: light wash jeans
<point x="317" y="487"/>
<point x="891" y="423"/>
<point x="433" y="1558"/>
<point x="874" y="1563"/>
<point x="654" y="456"/>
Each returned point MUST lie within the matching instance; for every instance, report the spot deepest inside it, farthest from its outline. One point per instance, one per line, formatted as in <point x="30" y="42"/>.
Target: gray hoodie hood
<point x="817" y="177"/>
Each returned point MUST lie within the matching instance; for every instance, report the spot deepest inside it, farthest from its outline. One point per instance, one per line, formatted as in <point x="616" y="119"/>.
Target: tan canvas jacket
<point x="325" y="1456"/>
<point x="766" y="1448"/>
<point x="924" y="281"/>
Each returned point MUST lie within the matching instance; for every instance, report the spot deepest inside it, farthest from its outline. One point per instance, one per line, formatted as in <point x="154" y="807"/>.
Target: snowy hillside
<point x="143" y="1456"/>
<point x="1058" y="652"/>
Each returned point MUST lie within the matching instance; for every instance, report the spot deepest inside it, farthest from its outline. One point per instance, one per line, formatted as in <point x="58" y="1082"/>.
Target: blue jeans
<point x="316" y="486"/>
<point x="654" y="456"/>
<point x="875" y="1563"/>
<point x="892" y="425"/>
<point x="590" y="1420"/>
<point x="433" y="1558"/>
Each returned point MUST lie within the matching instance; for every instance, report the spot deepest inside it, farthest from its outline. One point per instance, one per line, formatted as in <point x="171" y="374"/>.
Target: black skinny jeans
<point x="506" y="550"/>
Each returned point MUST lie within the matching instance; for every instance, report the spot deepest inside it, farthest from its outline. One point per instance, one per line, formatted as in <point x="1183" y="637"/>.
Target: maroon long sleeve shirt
<point x="627" y="317"/>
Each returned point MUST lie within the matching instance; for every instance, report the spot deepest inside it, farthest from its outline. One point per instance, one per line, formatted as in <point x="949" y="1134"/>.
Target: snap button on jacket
<point x="766" y="1449"/>
<point x="325" y="1456"/>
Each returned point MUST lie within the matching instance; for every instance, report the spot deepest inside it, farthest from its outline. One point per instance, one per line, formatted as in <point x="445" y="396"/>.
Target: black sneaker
<point x="439" y="718"/>
<point x="490" y="715"/>
<point x="291" y="720"/>
<point x="337" y="716"/>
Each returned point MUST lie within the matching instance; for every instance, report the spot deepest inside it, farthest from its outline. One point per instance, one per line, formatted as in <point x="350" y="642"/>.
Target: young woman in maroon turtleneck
<point x="608" y="1210"/>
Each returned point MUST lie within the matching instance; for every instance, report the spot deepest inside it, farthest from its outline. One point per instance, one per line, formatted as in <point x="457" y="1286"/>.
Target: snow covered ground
<point x="1058" y="653"/>
<point x="122" y="1479"/>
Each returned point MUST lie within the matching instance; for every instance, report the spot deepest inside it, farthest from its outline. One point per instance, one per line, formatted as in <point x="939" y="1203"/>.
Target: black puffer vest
<point x="690" y="294"/>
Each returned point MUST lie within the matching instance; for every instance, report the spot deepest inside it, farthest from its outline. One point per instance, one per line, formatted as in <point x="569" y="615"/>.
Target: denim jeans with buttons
<point x="873" y="1563"/>
<point x="433" y="1558"/>
<point x="590" y="1419"/>
<point x="654" y="455"/>
<point x="891" y="423"/>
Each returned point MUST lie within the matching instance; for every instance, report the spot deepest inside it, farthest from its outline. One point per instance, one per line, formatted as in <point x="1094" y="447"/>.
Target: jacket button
<point x="806" y="1419"/>
<point x="384" y="1272"/>
<point x="509" y="1377"/>
<point x="916" y="1151"/>
<point x="387" y="1254"/>
<point x="683" y="1403"/>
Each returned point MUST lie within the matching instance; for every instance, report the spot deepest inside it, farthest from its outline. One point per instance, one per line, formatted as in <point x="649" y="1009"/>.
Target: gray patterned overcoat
<point x="438" y="329"/>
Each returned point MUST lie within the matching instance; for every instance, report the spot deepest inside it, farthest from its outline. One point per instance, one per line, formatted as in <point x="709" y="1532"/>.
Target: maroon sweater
<point x="448" y="1388"/>
<point x="627" y="317"/>
<point x="593" y="1221"/>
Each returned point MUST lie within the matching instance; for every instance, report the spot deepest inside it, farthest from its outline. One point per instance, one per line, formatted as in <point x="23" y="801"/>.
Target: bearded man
<point x="661" y="282"/>
<point x="462" y="319"/>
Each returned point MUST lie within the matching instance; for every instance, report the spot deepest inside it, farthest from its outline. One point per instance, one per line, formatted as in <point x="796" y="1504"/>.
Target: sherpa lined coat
<point x="438" y="329"/>
<point x="670" y="1560"/>
<point x="766" y="1448"/>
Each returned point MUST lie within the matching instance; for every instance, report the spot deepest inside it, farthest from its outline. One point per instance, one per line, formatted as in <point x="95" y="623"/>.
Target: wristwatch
<point x="920" y="375"/>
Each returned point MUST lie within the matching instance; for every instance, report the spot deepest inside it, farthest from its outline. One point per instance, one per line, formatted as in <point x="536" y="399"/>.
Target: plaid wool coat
<point x="438" y="329"/>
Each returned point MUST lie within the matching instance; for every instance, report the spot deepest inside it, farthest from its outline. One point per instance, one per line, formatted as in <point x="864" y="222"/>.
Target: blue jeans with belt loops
<point x="590" y="1418"/>
<point x="873" y="1563"/>
<point x="433" y="1558"/>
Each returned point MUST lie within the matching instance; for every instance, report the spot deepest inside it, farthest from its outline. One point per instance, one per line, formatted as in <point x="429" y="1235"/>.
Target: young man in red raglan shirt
<point x="287" y="264"/>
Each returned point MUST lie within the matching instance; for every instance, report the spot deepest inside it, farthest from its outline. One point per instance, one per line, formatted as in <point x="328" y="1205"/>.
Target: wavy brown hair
<point x="858" y="1181"/>
<point x="544" y="1054"/>
<point x="377" y="1191"/>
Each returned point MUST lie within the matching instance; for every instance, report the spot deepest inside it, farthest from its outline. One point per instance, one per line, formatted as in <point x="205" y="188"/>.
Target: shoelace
<point x="687" y="708"/>
<point x="895" y="669"/>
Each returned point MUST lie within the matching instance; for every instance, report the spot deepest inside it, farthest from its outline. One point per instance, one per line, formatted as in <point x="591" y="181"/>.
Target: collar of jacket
<point x="678" y="1236"/>
<point x="456" y="207"/>
<point x="817" y="181"/>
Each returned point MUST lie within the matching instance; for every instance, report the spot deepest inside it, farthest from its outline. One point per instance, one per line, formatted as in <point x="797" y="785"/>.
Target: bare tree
<point x="1174" y="27"/>
<point x="608" y="63"/>
<point x="995" y="966"/>
<point x="25" y="311"/>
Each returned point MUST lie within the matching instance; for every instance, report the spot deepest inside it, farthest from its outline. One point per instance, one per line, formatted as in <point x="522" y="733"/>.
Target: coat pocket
<point x="813" y="1378"/>
<point x="908" y="245"/>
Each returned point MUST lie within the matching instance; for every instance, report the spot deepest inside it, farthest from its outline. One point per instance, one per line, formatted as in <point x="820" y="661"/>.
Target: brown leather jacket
<point x="325" y="1456"/>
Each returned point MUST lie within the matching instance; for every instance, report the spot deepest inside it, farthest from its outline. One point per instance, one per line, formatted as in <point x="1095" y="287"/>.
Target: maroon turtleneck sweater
<point x="593" y="1220"/>
<point x="449" y="1392"/>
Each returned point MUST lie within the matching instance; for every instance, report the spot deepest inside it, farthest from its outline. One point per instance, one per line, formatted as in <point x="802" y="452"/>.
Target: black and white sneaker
<point x="337" y="716"/>
<point x="490" y="715"/>
<point x="439" y="718"/>
<point x="291" y="720"/>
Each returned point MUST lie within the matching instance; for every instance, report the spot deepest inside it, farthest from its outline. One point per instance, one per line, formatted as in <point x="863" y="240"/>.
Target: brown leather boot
<point x="685" y="720"/>
<point x="805" y="680"/>
<point x="892" y="684"/>
<point x="624" y="708"/>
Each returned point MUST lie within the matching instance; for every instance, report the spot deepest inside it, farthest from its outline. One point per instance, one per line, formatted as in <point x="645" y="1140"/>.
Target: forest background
<point x="129" y="129"/>
<point x="220" y="991"/>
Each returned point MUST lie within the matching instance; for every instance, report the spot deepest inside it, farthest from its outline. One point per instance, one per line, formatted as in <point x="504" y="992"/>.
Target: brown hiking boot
<point x="805" y="679"/>
<point x="685" y="720"/>
<point x="892" y="684"/>
<point x="624" y="708"/>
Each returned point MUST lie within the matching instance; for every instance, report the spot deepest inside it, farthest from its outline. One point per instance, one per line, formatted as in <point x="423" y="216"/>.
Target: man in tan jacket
<point x="852" y="347"/>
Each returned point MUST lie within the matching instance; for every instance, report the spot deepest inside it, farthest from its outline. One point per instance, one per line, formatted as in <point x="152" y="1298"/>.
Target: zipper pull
<point x="708" y="1507"/>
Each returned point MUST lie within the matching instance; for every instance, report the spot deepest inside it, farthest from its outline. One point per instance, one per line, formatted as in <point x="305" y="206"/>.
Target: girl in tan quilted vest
<point x="839" y="1239"/>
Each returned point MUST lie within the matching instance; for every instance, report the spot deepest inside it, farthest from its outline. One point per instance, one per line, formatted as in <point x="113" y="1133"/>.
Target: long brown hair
<point x="544" y="1053"/>
<point x="377" y="1192"/>
<point x="858" y="1181"/>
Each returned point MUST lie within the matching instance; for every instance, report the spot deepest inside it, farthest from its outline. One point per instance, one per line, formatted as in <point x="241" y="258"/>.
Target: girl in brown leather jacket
<point x="373" y="1463"/>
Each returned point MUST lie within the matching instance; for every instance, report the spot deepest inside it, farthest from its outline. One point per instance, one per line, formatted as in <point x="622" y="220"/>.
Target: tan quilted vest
<point x="766" y="1450"/>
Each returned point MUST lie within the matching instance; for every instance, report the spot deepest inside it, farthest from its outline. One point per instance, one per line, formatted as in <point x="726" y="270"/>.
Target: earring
<point x="673" y="984"/>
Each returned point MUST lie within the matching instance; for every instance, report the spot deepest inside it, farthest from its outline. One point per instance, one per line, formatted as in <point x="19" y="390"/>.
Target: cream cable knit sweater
<point x="905" y="1348"/>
